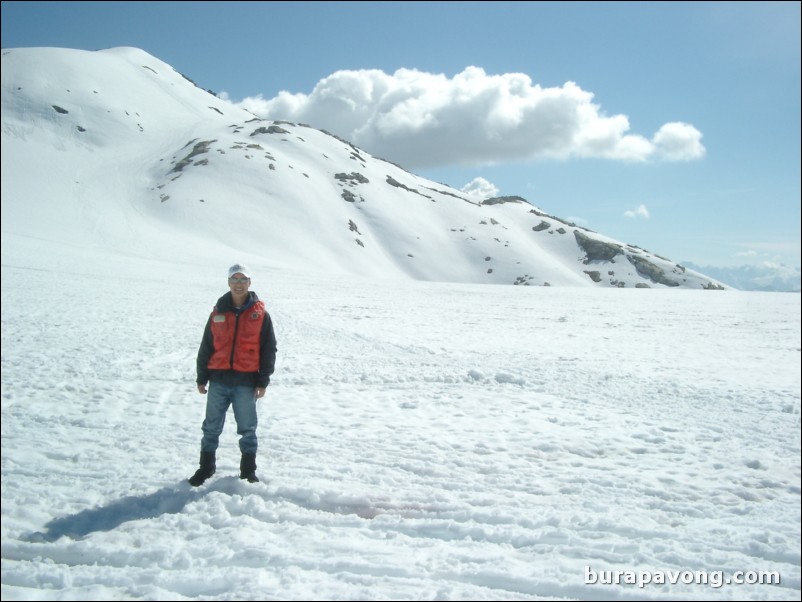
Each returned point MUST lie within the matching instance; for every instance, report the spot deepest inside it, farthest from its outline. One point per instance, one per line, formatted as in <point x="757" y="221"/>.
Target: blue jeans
<point x="243" y="400"/>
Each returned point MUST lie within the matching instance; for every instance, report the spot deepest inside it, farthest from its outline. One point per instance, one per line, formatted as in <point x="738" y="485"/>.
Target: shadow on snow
<point x="167" y="500"/>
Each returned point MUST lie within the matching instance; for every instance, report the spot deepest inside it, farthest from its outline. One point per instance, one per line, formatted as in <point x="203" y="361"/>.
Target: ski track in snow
<point x="418" y="441"/>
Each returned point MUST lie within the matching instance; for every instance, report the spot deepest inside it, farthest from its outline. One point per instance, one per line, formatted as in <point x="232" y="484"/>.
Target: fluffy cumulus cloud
<point x="640" y="212"/>
<point x="480" y="189"/>
<point x="678" y="142"/>
<point x="423" y="120"/>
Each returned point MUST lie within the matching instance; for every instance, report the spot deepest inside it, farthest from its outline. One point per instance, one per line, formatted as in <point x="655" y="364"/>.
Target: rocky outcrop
<point x="596" y="250"/>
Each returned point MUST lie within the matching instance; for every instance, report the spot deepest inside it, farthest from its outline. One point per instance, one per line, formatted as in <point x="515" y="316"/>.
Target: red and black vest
<point x="236" y="339"/>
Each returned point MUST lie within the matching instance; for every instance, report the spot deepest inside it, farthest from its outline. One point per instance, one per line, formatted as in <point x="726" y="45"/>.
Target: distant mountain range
<point x="115" y="149"/>
<point x="766" y="277"/>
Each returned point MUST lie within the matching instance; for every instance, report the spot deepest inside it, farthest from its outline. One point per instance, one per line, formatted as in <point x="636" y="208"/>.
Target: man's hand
<point x="260" y="392"/>
<point x="202" y="389"/>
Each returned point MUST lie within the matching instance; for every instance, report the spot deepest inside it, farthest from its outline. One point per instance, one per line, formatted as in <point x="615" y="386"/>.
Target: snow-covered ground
<point x="418" y="441"/>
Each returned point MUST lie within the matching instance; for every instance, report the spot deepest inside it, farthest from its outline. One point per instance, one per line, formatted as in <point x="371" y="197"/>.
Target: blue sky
<point x="679" y="133"/>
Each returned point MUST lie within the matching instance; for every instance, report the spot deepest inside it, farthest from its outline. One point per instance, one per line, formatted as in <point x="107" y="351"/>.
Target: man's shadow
<point x="167" y="500"/>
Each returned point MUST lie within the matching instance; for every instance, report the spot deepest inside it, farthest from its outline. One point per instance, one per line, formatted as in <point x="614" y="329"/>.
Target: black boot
<point x="247" y="468"/>
<point x="207" y="468"/>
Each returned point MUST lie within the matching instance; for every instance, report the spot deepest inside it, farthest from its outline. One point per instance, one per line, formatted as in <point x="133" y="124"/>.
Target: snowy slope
<point x="79" y="124"/>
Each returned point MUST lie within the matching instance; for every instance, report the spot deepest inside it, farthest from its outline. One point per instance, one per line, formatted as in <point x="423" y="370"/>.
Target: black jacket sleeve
<point x="205" y="353"/>
<point x="267" y="352"/>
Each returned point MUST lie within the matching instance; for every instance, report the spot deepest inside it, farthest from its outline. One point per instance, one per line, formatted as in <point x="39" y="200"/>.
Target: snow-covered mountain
<point x="772" y="277"/>
<point x="101" y="147"/>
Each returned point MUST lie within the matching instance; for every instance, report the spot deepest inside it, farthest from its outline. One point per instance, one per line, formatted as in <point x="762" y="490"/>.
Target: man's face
<point x="239" y="283"/>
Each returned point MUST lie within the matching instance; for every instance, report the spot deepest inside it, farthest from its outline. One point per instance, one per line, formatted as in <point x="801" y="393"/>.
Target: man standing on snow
<point x="237" y="355"/>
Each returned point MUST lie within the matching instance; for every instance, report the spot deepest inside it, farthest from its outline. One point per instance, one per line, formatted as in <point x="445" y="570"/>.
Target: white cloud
<point x="641" y="211"/>
<point x="480" y="189"/>
<point x="579" y="221"/>
<point x="679" y="142"/>
<point x="781" y="269"/>
<point x="775" y="251"/>
<point x="423" y="120"/>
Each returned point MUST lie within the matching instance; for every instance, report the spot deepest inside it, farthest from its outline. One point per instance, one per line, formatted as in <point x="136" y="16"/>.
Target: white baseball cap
<point x="238" y="268"/>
